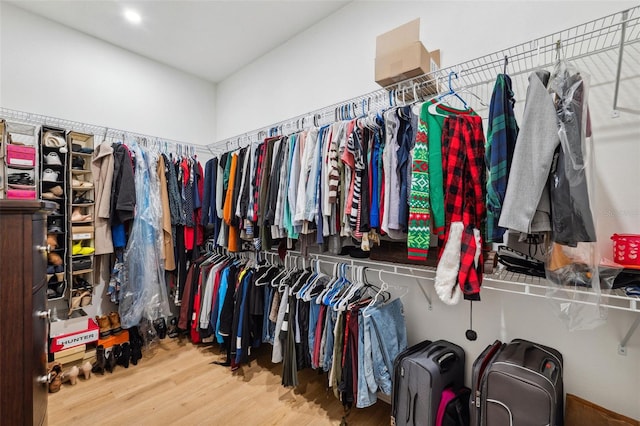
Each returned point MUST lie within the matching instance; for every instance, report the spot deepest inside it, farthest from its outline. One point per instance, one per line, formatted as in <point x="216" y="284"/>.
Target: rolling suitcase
<point x="521" y="385"/>
<point x="421" y="374"/>
<point x="477" y="372"/>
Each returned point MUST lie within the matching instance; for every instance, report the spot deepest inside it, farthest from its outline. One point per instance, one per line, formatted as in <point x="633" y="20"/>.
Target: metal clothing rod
<point x="100" y="131"/>
<point x="591" y="38"/>
<point x="330" y="260"/>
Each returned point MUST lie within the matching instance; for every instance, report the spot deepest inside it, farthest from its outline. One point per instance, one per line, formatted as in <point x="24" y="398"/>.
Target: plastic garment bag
<point x="576" y="272"/>
<point x="143" y="293"/>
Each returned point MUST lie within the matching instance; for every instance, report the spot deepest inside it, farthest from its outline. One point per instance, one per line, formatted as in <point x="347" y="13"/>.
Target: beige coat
<point x="167" y="249"/>
<point x="102" y="169"/>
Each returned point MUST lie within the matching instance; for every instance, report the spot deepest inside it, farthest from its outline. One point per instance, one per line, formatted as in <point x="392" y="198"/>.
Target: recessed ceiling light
<point x="132" y="16"/>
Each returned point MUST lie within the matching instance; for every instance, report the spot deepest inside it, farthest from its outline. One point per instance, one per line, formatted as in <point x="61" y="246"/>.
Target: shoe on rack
<point x="52" y="241"/>
<point x="101" y="362"/>
<point x="57" y="191"/>
<point x="105" y="326"/>
<point x="52" y="159"/>
<point x="55" y="226"/>
<point x="47" y="195"/>
<point x="75" y="183"/>
<point x="51" y="140"/>
<point x="71" y="375"/>
<point x="49" y="175"/>
<point x="59" y="276"/>
<point x="77" y="163"/>
<point x="81" y="284"/>
<point x="76" y="300"/>
<point x="54" y="259"/>
<point x="82" y="200"/>
<point x="55" y="377"/>
<point x="114" y="322"/>
<point x="78" y="216"/>
<point x="79" y="249"/>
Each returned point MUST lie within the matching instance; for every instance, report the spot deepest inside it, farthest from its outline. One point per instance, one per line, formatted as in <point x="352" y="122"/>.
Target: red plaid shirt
<point x="464" y="176"/>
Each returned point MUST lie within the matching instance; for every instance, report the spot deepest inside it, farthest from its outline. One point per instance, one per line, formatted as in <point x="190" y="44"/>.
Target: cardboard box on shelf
<point x="400" y="55"/>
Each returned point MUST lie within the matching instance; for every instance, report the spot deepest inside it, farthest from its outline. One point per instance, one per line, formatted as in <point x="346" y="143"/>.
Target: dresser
<point x="24" y="318"/>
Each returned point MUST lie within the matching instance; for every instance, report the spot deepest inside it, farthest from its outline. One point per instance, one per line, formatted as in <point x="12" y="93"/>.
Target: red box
<point x="21" y="194"/>
<point x="65" y="341"/>
<point x="24" y="156"/>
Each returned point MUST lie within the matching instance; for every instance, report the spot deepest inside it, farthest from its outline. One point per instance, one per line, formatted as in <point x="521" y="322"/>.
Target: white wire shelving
<point x="599" y="45"/>
<point x="102" y="132"/>
<point x="608" y="48"/>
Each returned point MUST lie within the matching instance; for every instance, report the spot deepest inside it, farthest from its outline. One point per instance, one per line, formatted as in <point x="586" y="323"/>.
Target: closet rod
<point x="370" y="266"/>
<point x="99" y="131"/>
<point x="591" y="38"/>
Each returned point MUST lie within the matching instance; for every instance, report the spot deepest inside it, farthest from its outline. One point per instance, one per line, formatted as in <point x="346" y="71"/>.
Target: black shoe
<point x="111" y="360"/>
<point x="173" y="328"/>
<point x="101" y="362"/>
<point x="77" y="163"/>
<point x="125" y="355"/>
<point x="135" y="342"/>
<point x="161" y="327"/>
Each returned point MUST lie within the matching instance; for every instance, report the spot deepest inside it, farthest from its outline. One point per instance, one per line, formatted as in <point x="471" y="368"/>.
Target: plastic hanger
<point x="383" y="287"/>
<point x="440" y="98"/>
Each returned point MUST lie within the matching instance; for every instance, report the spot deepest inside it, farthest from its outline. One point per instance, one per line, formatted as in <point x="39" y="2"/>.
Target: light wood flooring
<point x="175" y="384"/>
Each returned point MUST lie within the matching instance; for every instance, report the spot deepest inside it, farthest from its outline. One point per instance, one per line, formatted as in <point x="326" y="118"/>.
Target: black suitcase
<point x="421" y="373"/>
<point x="521" y="385"/>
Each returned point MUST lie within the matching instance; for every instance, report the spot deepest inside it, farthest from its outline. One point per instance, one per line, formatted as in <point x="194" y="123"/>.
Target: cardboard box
<point x="84" y="232"/>
<point x="400" y="55"/>
<point x="73" y="332"/>
<point x="398" y="38"/>
<point x="411" y="61"/>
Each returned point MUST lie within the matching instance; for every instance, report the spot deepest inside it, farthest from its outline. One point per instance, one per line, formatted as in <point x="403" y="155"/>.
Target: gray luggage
<point x="421" y="373"/>
<point x="521" y="385"/>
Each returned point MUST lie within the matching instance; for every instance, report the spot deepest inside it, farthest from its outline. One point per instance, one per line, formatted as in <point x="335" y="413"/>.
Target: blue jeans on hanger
<point x="367" y="386"/>
<point x="388" y="335"/>
<point x="332" y="317"/>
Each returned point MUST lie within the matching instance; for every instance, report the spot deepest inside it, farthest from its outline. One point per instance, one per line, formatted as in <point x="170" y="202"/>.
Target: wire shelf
<point x="601" y="41"/>
<point x="101" y="132"/>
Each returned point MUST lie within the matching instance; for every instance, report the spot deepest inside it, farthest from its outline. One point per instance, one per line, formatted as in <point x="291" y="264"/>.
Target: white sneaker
<point x="49" y="175"/>
<point x="52" y="159"/>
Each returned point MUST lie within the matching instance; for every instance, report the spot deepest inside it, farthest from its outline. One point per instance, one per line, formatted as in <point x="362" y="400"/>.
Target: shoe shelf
<point x="81" y="222"/>
<point x="53" y="158"/>
<point x="18" y="161"/>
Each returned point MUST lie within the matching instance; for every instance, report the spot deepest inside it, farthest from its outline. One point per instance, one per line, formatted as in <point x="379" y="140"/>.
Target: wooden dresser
<point x="24" y="318"/>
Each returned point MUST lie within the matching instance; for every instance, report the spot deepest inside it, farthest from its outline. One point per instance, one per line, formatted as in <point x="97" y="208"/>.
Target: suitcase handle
<point x="446" y="360"/>
<point x="520" y="353"/>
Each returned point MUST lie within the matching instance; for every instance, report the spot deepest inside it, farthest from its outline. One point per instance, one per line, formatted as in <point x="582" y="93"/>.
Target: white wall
<point x="333" y="61"/>
<point x="50" y="69"/>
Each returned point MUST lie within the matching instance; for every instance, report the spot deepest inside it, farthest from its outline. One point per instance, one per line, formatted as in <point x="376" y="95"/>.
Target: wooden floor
<point x="175" y="384"/>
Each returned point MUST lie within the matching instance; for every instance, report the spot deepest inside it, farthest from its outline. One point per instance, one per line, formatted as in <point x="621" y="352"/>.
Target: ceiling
<point x="210" y="39"/>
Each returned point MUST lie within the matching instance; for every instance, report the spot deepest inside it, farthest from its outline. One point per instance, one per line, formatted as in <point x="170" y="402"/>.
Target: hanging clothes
<point x="502" y="133"/>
